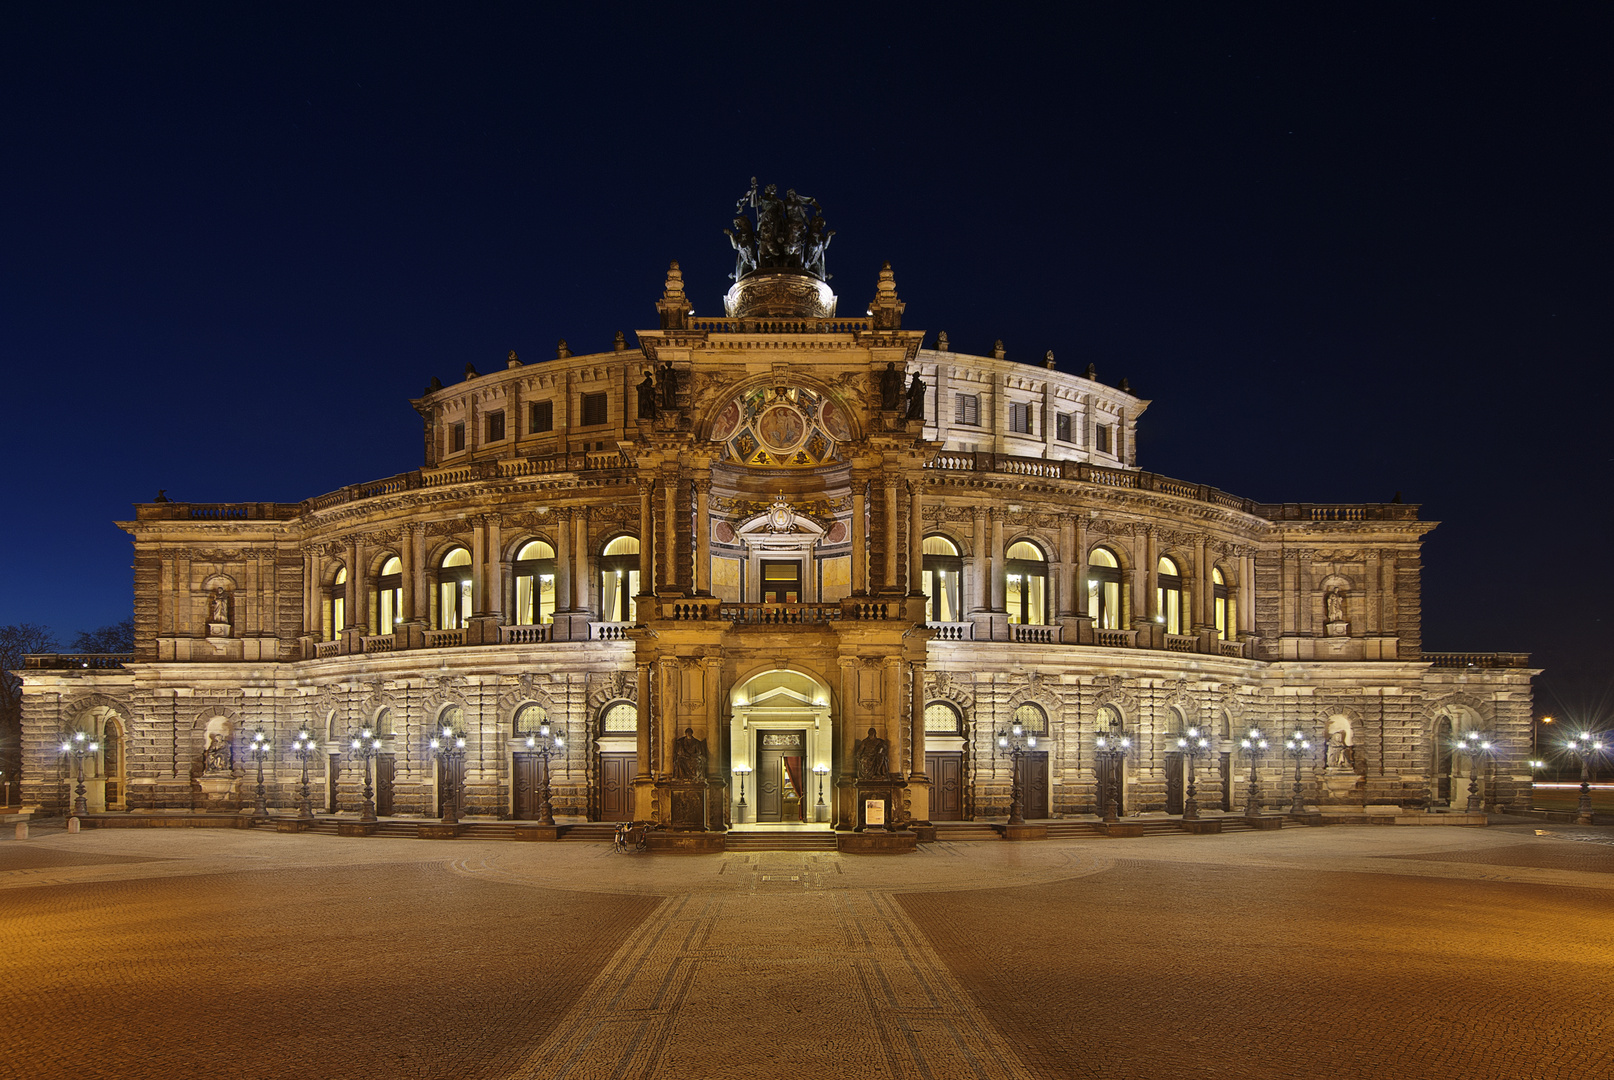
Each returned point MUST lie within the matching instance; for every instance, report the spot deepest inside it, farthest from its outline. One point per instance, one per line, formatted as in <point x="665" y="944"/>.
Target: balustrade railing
<point x="779" y="326"/>
<point x="1035" y="635"/>
<point x="1181" y="643"/>
<point x="444" y="639"/>
<point x="322" y="649"/>
<point x="779" y="614"/>
<point x="379" y="643"/>
<point x="952" y="631"/>
<point x="523" y="635"/>
<point x="80" y="661"/>
<point x="1115" y="639"/>
<point x="609" y="631"/>
<point x="1464" y="660"/>
<point x="1230" y="648"/>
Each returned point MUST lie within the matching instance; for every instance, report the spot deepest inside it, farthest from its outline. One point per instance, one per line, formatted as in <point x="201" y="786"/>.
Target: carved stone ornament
<point x="779" y="295"/>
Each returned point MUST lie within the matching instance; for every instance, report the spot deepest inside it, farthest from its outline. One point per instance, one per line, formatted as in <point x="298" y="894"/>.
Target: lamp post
<point x="1298" y="747"/>
<point x="821" y="811"/>
<point x="1476" y="744"/>
<point x="742" y="811"/>
<point x="303" y="746"/>
<point x="1193" y="745"/>
<point x="1017" y="742"/>
<point x="1112" y="751"/>
<point x="259" y="748"/>
<point x="542" y="744"/>
<point x="81" y="744"/>
<point x="367" y="745"/>
<point x="1254" y="744"/>
<point x="450" y="750"/>
<point x="1584" y="746"/>
<point x="1535" y="735"/>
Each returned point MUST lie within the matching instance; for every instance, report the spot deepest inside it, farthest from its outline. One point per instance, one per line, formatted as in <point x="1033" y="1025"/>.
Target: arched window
<point x="941" y="718"/>
<point x="1108" y="721"/>
<point x="451" y="717"/>
<point x="383" y="724"/>
<point x="619" y="580"/>
<point x="535" y="584"/>
<point x="621" y="717"/>
<point x="389" y="596"/>
<point x="1219" y="594"/>
<point x="1104" y="589"/>
<point x="1027" y="581"/>
<point x="336" y="605"/>
<point x="942" y="567"/>
<point x="454" y="590"/>
<point x="529" y="719"/>
<point x="1032" y="718"/>
<point x="1168" y="596"/>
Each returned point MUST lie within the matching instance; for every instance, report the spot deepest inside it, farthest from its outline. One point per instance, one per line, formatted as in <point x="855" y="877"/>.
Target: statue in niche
<point x="1341" y="755"/>
<point x="647" y="397"/>
<point x="220" y="606"/>
<point x="689" y="757"/>
<point x="216" y="755"/>
<point x="669" y="386"/>
<point x="890" y="387"/>
<point x="1334" y="605"/>
<point x="873" y="757"/>
<point x="916" y="398"/>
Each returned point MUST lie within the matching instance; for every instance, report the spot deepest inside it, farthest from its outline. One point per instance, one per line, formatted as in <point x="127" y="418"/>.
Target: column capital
<point x="702" y="486"/>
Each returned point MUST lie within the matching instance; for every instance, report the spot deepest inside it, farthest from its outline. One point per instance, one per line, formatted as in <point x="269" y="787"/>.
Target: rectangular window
<point x="1101" y="438"/>
<point x="968" y="410"/>
<point x="1062" y="427"/>
<point x="1020" y="417"/>
<point x="496" y="426"/>
<point x="456" y="436"/>
<point x="594" y="409"/>
<point x="541" y="417"/>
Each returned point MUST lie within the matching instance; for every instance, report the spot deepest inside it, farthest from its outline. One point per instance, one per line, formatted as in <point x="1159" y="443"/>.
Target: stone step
<point x="779" y="841"/>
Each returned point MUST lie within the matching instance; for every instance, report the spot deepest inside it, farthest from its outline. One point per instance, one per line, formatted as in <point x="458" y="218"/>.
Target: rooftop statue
<point x="789" y="234"/>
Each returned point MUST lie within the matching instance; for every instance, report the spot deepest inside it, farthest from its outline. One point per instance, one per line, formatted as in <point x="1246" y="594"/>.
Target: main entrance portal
<point x="782" y="737"/>
<point x="781" y="793"/>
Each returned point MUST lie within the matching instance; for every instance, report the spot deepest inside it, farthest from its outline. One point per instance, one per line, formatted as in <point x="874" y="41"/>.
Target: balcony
<point x="1475" y="661"/>
<point x="76" y="661"/>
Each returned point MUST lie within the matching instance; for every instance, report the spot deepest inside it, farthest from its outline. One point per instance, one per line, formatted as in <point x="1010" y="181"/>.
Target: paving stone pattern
<point x="1339" y="953"/>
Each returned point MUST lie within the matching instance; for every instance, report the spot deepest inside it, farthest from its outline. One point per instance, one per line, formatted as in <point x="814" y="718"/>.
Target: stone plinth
<point x="437" y="830"/>
<point x="1202" y="826"/>
<point x="168" y="821"/>
<point x="685" y="843"/>
<point x="1264" y="822"/>
<point x="356" y="828"/>
<point x="875" y="842"/>
<point x="926" y="834"/>
<point x="1308" y="817"/>
<point x="537" y="832"/>
<point x="1121" y="828"/>
<point x="293" y="825"/>
<point x="1024" y="832"/>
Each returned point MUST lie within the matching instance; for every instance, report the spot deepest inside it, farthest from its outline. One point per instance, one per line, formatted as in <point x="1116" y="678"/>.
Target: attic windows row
<point x="595" y="411"/>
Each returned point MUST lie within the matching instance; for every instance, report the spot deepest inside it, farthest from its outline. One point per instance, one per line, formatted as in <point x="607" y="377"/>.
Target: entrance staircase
<point x="781" y="840"/>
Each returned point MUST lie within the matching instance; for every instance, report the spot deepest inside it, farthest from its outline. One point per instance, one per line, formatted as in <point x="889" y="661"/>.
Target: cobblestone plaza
<point x="1341" y="952"/>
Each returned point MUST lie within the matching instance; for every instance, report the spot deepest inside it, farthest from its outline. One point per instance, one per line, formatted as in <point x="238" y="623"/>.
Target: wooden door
<point x="946" y="771"/>
<point x="384" y="773"/>
<point x="524" y="786"/>
<point x="770" y="785"/>
<point x="333" y="778"/>
<point x="1225" y="765"/>
<point x="450" y="774"/>
<point x="616" y="786"/>
<point x="1174" y="784"/>
<point x="1111" y="773"/>
<point x="1034" y="784"/>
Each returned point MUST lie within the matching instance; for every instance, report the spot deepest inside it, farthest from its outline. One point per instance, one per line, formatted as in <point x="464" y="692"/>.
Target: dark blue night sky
<point x="1347" y="251"/>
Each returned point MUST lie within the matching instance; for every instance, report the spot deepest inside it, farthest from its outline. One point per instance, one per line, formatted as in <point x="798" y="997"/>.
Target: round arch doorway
<point x="781" y="739"/>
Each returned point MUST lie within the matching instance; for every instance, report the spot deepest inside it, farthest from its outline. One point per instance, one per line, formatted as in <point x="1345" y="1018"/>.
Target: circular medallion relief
<point x="723" y="532"/>
<point x="835" y="422"/>
<point x="727" y="421"/>
<point x="781" y="428"/>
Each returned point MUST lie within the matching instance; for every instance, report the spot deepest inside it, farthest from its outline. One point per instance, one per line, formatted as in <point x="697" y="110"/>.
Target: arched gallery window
<point x="941" y="718"/>
<point x="1168" y="596"/>
<point x="383" y="724"/>
<point x="336" y="605"/>
<point x="1031" y="717"/>
<point x="1104" y="589"/>
<point x="1108" y="720"/>
<point x="1220" y="602"/>
<point x="454" y="590"/>
<point x="389" y="596"/>
<point x="529" y="719"/>
<point x="942" y="569"/>
<point x="535" y="584"/>
<point x="619" y="579"/>
<point x="1027" y="584"/>
<point x="619" y="718"/>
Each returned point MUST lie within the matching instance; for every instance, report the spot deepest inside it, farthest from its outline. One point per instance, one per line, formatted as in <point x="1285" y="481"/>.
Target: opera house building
<point x="777" y="567"/>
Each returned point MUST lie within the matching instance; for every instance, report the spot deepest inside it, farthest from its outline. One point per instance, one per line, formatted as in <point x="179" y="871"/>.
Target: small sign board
<point x="874" y="812"/>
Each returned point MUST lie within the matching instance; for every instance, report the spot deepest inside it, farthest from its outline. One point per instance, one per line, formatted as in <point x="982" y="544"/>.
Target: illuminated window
<point x="968" y="410"/>
<point x="1026" y="571"/>
<point x="621" y="717"/>
<point x="942" y="718"/>
<point x="389" y="596"/>
<point x="1108" y="721"/>
<point x="540" y="417"/>
<point x="454" y="590"/>
<point x="594" y="410"/>
<point x="535" y="584"/>
<point x="1104" y="589"/>
<point x="781" y="582"/>
<point x="336" y="605"/>
<point x="619" y="580"/>
<point x="940" y="578"/>
<point x="1168" y="596"/>
<point x="1219" y="589"/>
<point x="1032" y="718"/>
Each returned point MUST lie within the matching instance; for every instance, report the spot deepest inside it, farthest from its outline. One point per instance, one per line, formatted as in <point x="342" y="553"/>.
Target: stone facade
<point x="764" y="528"/>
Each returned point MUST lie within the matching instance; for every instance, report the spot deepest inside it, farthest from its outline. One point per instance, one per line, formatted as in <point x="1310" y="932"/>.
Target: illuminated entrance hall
<point x="829" y="559"/>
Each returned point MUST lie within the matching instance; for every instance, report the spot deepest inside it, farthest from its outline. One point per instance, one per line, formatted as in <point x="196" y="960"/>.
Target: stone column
<point x="916" y="538"/>
<point x="580" y="555"/>
<point x="889" y="490"/>
<point x="494" y="566"/>
<point x="647" y="540"/>
<point x="1066" y="585"/>
<point x="1151" y="576"/>
<point x="980" y="598"/>
<point x="352" y="597"/>
<point x="423" y="601"/>
<point x="703" y="538"/>
<point x="1204" y="587"/>
<point x="311" y="604"/>
<point x="999" y="579"/>
<point x="563" y="560"/>
<point x="1079" y="561"/>
<point x="406" y="556"/>
<point x="479" y="592"/>
<point x="644" y="792"/>
<point x="1302" y="587"/>
<point x="860" y="535"/>
<point x="1247" y="595"/>
<point x="669" y="534"/>
<point x="1372" y="589"/>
